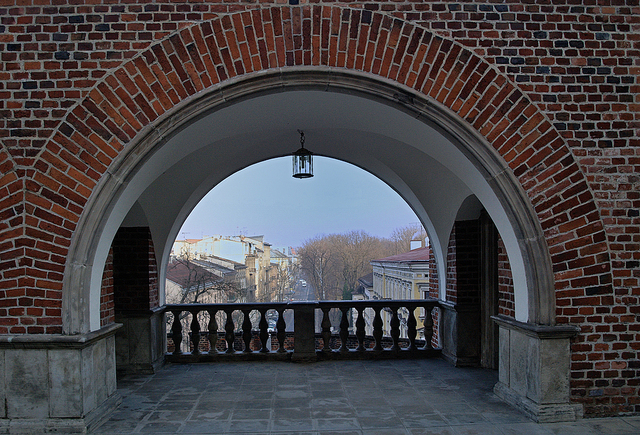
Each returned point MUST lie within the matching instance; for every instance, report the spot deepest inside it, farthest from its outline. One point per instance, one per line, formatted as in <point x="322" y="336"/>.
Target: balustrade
<point x="195" y="333"/>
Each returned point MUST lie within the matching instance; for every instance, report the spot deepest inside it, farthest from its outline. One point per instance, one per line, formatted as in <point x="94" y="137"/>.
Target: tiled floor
<point x="360" y="397"/>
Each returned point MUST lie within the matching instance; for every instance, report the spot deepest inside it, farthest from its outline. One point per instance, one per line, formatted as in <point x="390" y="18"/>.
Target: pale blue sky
<point x="264" y="199"/>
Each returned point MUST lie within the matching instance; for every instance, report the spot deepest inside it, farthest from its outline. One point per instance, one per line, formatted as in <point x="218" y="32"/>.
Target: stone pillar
<point x="534" y="369"/>
<point x="460" y="326"/>
<point x="141" y="342"/>
<point x="57" y="383"/>
<point x="460" y="334"/>
<point x="304" y="331"/>
<point x="489" y="296"/>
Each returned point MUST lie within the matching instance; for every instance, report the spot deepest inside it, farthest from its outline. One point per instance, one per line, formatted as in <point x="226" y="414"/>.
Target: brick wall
<point x="553" y="87"/>
<point x="506" y="294"/>
<point x="107" y="302"/>
<point x="452" y="269"/>
<point x="467" y="253"/>
<point x="463" y="263"/>
<point x="135" y="274"/>
<point x="434" y="285"/>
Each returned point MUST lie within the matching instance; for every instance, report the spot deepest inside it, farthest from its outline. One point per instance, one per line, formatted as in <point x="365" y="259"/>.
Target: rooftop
<point x="366" y="280"/>
<point x="184" y="276"/>
<point x="219" y="269"/>
<point x="392" y="397"/>
<point x="419" y="254"/>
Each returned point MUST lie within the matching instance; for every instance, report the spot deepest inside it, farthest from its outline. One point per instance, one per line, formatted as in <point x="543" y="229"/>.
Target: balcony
<point x="345" y="391"/>
<point x="398" y="397"/>
<point x="309" y="330"/>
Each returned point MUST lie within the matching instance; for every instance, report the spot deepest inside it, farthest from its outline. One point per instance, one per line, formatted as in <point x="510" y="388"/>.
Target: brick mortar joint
<point x="220" y="15"/>
<point x="271" y="7"/>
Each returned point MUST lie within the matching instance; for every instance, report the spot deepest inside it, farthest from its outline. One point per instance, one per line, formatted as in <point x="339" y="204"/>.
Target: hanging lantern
<point x="302" y="161"/>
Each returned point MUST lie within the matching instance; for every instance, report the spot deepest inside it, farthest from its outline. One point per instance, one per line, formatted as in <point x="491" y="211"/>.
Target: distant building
<point x="260" y="265"/>
<point x="419" y="240"/>
<point x="279" y="257"/>
<point x="402" y="276"/>
<point x="192" y="283"/>
<point x="227" y="269"/>
<point x="364" y="288"/>
<point x="184" y="246"/>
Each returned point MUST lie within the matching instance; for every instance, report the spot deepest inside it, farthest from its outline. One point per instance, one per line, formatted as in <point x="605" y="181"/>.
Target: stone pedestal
<point x="57" y="383"/>
<point x="534" y="368"/>
<point x="460" y="334"/>
<point x="304" y="337"/>
<point x="141" y="342"/>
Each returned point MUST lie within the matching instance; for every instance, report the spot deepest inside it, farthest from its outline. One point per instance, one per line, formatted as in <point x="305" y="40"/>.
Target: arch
<point x="123" y="188"/>
<point x="470" y="208"/>
<point x="278" y="48"/>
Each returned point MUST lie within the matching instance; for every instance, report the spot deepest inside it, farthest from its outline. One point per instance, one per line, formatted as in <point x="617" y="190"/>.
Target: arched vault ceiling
<point x="411" y="156"/>
<point x="153" y="100"/>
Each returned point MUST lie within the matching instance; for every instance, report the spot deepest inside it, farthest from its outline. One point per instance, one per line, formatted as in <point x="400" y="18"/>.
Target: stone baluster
<point x="411" y="327"/>
<point x="176" y="332"/>
<point x="377" y="329"/>
<point x="360" y="330"/>
<point x="344" y="329"/>
<point x="264" y="331"/>
<point x="395" y="329"/>
<point x="428" y="327"/>
<point x="229" y="331"/>
<point x="195" y="331"/>
<point x="326" y="329"/>
<point x="390" y="313"/>
<point x="213" y="332"/>
<point x="246" y="330"/>
<point x="281" y="332"/>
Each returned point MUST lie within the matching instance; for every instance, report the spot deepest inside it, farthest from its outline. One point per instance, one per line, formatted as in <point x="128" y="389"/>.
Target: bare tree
<point x="402" y="237"/>
<point x="333" y="263"/>
<point x="192" y="281"/>
<point x="318" y="263"/>
<point x="195" y="283"/>
<point x="355" y="250"/>
<point x="285" y="276"/>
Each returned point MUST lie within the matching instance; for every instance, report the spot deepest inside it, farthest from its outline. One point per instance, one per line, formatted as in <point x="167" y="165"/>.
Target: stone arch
<point x="80" y="162"/>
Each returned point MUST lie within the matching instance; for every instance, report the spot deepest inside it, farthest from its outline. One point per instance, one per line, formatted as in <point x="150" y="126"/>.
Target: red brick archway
<point x="211" y="53"/>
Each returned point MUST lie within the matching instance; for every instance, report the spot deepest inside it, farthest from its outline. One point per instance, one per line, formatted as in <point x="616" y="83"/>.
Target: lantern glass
<point x="302" y="164"/>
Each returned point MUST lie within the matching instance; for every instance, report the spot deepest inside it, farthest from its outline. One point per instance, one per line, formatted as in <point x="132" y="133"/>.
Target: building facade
<point x="263" y="267"/>
<point x="510" y="128"/>
<point x="402" y="276"/>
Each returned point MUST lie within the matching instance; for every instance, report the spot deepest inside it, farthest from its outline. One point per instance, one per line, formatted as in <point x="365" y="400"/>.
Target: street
<point x="301" y="293"/>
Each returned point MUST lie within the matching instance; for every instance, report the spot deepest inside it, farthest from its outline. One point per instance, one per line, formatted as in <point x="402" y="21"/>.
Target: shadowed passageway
<point x="337" y="397"/>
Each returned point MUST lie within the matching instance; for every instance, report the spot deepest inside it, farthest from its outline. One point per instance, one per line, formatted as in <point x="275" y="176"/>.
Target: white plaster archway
<point x="431" y="157"/>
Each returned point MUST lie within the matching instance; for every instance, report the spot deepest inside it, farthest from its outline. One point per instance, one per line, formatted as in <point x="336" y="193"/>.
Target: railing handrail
<point x="222" y="306"/>
<point x="323" y="303"/>
<point x="304" y="334"/>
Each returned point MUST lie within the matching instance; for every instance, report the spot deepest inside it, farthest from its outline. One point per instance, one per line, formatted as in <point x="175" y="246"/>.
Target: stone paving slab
<point x="403" y="397"/>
